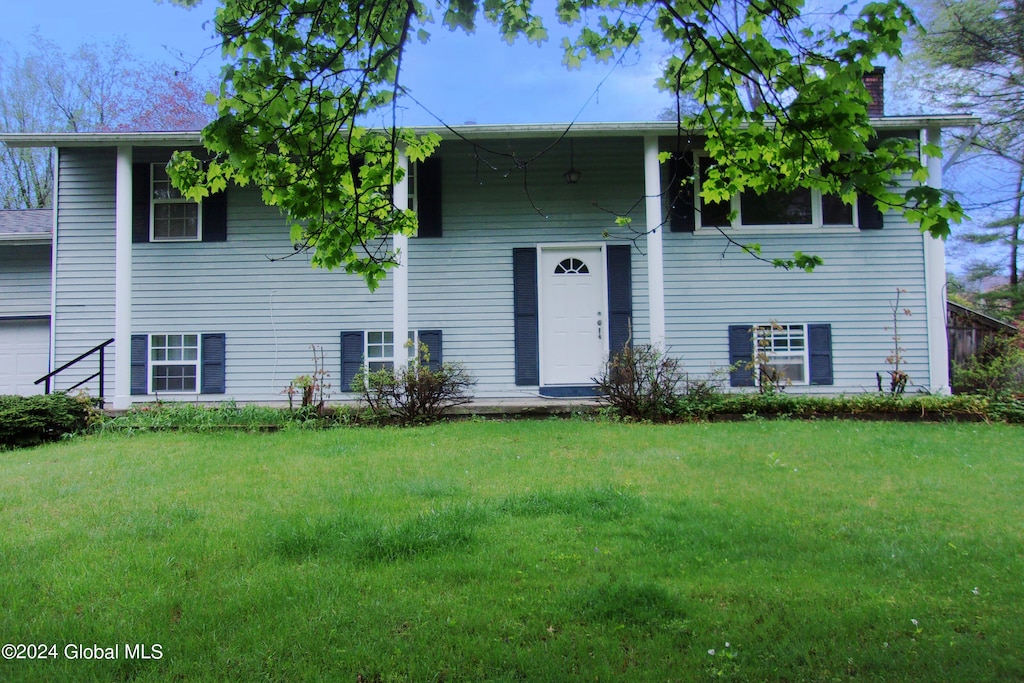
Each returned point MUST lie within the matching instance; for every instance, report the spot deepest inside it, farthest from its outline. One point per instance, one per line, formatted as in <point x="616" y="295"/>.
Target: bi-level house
<point x="519" y="271"/>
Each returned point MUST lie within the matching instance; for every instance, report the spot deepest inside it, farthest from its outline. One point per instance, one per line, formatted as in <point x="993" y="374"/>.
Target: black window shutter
<point x="213" y="380"/>
<point x="432" y="340"/>
<point x="428" y="197"/>
<point x="620" y="296"/>
<point x="741" y="354"/>
<point x="681" y="194"/>
<point x="869" y="216"/>
<point x="819" y="343"/>
<point x="140" y="369"/>
<point x="351" y="358"/>
<point x="140" y="203"/>
<point x="215" y="217"/>
<point x="527" y="331"/>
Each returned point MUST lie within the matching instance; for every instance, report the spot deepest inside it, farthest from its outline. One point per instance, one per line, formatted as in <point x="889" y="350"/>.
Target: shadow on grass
<point x="627" y="603"/>
<point x="361" y="540"/>
<point x="597" y="504"/>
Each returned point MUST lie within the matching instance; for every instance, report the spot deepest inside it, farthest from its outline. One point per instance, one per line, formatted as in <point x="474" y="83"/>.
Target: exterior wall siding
<point x="24" y="280"/>
<point x="710" y="285"/>
<point x="271" y="311"/>
<point x="84" y="311"/>
<point x="462" y="282"/>
<point x="272" y="306"/>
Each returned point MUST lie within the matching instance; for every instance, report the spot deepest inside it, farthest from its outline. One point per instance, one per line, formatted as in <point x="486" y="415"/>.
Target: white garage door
<point x="24" y="355"/>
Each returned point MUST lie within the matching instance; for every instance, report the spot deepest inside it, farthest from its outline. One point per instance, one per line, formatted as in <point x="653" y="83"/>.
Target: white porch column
<point x="123" y="280"/>
<point x="935" y="284"/>
<point x="655" y="261"/>
<point x="400" y="273"/>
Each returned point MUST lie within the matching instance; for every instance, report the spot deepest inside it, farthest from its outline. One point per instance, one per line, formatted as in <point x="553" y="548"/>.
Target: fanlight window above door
<point x="572" y="266"/>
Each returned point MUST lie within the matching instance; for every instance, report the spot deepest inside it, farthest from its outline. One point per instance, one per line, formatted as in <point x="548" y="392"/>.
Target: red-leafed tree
<point x="92" y="88"/>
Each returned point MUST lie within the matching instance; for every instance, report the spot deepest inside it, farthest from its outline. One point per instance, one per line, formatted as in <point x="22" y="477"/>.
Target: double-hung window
<point x="781" y="353"/>
<point x="178" y="363"/>
<point x="174" y="363"/>
<point x="174" y="218"/>
<point x="372" y="350"/>
<point x="379" y="352"/>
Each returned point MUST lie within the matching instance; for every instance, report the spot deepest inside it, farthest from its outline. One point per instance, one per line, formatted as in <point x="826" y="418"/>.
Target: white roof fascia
<point x="176" y="139"/>
<point x="475" y="132"/>
<point x="26" y="238"/>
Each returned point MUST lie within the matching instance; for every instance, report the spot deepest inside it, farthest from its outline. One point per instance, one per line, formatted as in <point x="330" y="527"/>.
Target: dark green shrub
<point x="415" y="393"/>
<point x="641" y="382"/>
<point x="700" y="398"/>
<point x="30" y="420"/>
<point x="997" y="369"/>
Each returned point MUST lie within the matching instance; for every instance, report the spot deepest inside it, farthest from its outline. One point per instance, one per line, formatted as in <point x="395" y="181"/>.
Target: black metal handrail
<point x="100" y="348"/>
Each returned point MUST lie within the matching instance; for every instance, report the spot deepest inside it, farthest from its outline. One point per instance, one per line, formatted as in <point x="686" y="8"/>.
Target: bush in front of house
<point x="415" y="393"/>
<point x="30" y="420"/>
<point x="641" y="382"/>
<point x="869" y="405"/>
<point x="996" y="371"/>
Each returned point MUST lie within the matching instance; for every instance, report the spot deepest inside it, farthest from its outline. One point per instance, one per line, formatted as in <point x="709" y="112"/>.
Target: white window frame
<point x="175" y="199"/>
<point x="817" y="224"/>
<point x="386" y="361"/>
<point x="779" y="331"/>
<point x="154" y="364"/>
<point x="412" y="185"/>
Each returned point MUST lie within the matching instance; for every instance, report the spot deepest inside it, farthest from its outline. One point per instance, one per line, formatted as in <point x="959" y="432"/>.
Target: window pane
<point x="776" y="208"/>
<point x="174" y="378"/>
<point x="834" y="211"/>
<point x="175" y="221"/>
<point x="712" y="214"/>
<point x="791" y="369"/>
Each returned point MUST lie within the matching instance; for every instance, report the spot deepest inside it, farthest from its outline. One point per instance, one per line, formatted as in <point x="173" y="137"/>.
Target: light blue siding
<point x="24" y="280"/>
<point x="84" y="313"/>
<point x="272" y="306"/>
<point x="271" y="311"/>
<point x="710" y="285"/>
<point x="462" y="283"/>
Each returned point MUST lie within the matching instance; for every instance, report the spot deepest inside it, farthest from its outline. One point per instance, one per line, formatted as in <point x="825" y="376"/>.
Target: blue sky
<point x="459" y="78"/>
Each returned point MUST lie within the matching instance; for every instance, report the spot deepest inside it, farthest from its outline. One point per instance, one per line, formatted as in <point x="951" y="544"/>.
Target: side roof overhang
<point x="26" y="226"/>
<point x="472" y="132"/>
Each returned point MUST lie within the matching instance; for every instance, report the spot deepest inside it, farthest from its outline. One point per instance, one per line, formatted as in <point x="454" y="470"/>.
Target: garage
<point x="24" y="355"/>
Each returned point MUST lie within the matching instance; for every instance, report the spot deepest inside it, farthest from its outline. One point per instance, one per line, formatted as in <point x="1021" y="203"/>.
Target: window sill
<point x="762" y="230"/>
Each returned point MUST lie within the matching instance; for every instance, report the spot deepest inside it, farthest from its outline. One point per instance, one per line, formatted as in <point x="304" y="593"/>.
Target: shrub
<point x="997" y="370"/>
<point x="189" y="417"/>
<point x="641" y="382"/>
<point x="415" y="393"/>
<point x="700" y="398"/>
<point x="29" y="420"/>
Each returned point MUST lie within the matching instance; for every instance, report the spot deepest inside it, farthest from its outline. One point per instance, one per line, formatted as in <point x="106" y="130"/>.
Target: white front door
<point x="573" y="320"/>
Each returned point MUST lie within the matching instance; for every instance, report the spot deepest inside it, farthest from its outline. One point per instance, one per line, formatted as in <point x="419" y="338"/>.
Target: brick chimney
<point x="874" y="81"/>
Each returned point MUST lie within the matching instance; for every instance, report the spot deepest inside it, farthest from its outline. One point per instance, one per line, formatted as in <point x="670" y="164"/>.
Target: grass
<point x="523" y="551"/>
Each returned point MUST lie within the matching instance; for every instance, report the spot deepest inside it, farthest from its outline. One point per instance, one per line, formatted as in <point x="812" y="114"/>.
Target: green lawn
<point x="521" y="551"/>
